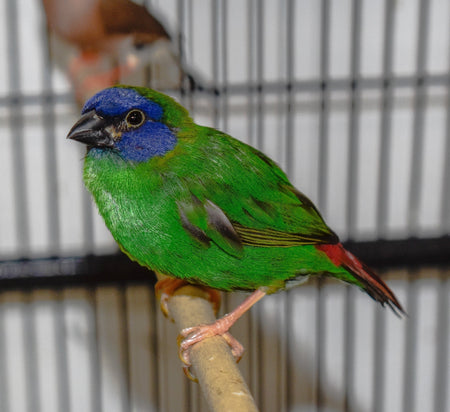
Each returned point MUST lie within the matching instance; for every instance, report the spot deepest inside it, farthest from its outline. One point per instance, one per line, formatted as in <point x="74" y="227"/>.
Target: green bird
<point x="195" y="204"/>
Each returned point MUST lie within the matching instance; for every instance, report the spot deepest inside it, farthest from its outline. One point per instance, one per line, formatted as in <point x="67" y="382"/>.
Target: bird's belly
<point x="274" y="268"/>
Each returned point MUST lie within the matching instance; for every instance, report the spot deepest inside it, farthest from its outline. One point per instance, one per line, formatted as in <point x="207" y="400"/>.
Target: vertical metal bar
<point x="349" y="348"/>
<point x="154" y="307"/>
<point x="224" y="63"/>
<point x="290" y="156"/>
<point x="322" y="185"/>
<point x="4" y="395"/>
<point x="188" y="83"/>
<point x="324" y="105"/>
<point x="125" y="346"/>
<point x="445" y="209"/>
<point x="415" y="188"/>
<point x="352" y="192"/>
<point x="280" y="344"/>
<point x="194" y="83"/>
<point x="181" y="54"/>
<point x="215" y="27"/>
<point x="321" y="345"/>
<point x="259" y="138"/>
<point x="251" y="18"/>
<point x="189" y="35"/>
<point x="94" y="353"/>
<point x="160" y="336"/>
<point x="416" y="184"/>
<point x="290" y="54"/>
<point x="385" y="126"/>
<point x="253" y="354"/>
<point x="410" y="354"/>
<point x="16" y="128"/>
<point x="442" y="358"/>
<point x="353" y="144"/>
<point x="30" y="344"/>
<point x="379" y="369"/>
<point x="280" y="92"/>
<point x="62" y="370"/>
<point x="181" y="49"/>
<point x="260" y="73"/>
<point x="257" y="358"/>
<point x="250" y="69"/>
<point x="51" y="174"/>
<point x="254" y="15"/>
<point x="283" y="336"/>
<point x="254" y="375"/>
<point x="288" y="337"/>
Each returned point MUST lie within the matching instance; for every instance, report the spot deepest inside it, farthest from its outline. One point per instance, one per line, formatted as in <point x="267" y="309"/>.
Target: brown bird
<point x="116" y="41"/>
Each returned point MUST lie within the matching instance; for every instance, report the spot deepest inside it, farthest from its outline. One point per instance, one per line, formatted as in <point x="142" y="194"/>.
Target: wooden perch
<point x="212" y="362"/>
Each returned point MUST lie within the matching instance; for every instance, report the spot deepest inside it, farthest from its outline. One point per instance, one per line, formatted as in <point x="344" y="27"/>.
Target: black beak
<point x="91" y="130"/>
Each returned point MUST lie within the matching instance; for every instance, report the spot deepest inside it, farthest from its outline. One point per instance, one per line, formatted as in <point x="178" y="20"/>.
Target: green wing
<point x="290" y="223"/>
<point x="239" y="197"/>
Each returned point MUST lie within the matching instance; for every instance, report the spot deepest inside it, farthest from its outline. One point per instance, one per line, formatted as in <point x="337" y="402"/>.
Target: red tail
<point x="371" y="283"/>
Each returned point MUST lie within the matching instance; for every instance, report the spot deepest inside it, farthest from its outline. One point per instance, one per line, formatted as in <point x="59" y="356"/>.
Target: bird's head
<point x="135" y="122"/>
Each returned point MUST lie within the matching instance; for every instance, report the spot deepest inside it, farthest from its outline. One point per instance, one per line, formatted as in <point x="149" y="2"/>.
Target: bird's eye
<point x="135" y="118"/>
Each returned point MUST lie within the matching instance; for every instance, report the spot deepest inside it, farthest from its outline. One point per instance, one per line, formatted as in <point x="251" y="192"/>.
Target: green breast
<point x="139" y="213"/>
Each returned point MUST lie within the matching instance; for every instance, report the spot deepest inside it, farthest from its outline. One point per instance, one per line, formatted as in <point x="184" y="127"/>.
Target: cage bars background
<point x="352" y="98"/>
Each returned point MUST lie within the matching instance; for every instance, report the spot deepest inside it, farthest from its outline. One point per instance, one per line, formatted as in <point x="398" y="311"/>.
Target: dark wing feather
<point x="206" y="222"/>
<point x="218" y="221"/>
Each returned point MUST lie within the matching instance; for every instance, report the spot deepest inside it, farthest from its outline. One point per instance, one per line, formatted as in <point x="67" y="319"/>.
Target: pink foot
<point x="191" y="336"/>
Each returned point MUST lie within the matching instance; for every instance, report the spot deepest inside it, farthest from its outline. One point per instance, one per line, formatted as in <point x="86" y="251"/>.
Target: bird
<point x="114" y="40"/>
<point x="202" y="207"/>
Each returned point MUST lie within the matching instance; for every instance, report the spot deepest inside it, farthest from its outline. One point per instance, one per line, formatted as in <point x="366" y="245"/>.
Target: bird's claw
<point x="184" y="357"/>
<point x="164" y="289"/>
<point x="237" y="350"/>
<point x="190" y="336"/>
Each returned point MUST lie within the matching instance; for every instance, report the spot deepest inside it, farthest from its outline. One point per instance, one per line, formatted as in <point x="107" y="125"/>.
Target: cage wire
<point x="352" y="99"/>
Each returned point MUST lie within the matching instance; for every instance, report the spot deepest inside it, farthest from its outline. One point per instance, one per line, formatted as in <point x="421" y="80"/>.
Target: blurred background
<point x="351" y="97"/>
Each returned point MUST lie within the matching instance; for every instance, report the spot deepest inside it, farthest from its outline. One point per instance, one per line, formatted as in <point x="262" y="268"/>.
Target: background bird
<point x="195" y="204"/>
<point x="114" y="40"/>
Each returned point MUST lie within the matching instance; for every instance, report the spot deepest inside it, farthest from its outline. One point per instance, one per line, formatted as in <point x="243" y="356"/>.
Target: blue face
<point x="135" y="123"/>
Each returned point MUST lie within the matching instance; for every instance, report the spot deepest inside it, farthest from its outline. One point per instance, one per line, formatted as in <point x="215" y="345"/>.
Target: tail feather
<point x="369" y="281"/>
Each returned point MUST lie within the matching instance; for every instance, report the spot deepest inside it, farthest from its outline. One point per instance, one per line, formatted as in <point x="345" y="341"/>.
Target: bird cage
<point x="351" y="98"/>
